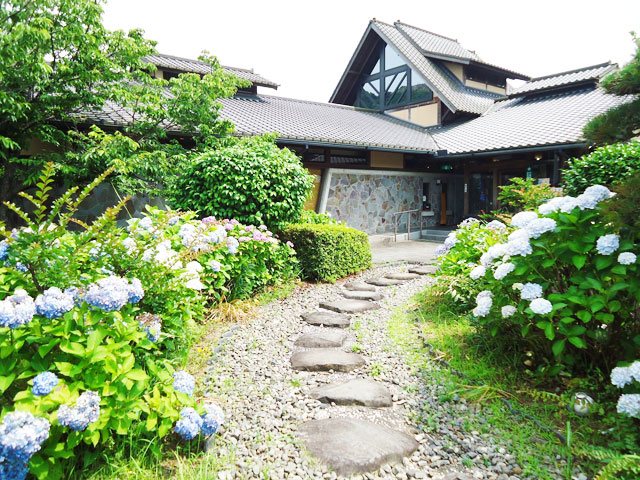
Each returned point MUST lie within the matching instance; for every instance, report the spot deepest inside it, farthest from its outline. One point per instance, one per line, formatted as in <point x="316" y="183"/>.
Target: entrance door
<point x="443" y="205"/>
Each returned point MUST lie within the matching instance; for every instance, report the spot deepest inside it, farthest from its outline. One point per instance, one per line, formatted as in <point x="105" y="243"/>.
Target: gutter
<point x="353" y="145"/>
<point x="504" y="151"/>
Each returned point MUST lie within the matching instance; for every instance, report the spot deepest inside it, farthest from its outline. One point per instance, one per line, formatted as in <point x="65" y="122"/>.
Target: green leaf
<point x="577" y="342"/>
<point x="558" y="347"/>
<point x="6" y="381"/>
<point x="579" y="261"/>
<point x="584" y="315"/>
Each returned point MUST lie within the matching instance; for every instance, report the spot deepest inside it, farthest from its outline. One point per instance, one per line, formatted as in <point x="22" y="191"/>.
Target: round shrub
<point x="604" y="166"/>
<point x="251" y="180"/>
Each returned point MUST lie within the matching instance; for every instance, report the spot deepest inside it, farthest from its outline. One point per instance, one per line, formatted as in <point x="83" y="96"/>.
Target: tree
<point x="623" y="122"/>
<point x="57" y="60"/>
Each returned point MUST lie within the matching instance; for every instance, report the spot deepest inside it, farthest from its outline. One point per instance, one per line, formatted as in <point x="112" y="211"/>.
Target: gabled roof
<point x="592" y="74"/>
<point x="555" y="118"/>
<point x="302" y="121"/>
<point x="181" y="64"/>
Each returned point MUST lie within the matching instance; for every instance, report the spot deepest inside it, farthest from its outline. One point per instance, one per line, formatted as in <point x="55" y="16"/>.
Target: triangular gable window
<point x="391" y="83"/>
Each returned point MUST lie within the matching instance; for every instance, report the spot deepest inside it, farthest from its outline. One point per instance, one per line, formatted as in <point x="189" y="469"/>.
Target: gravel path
<point x="266" y="400"/>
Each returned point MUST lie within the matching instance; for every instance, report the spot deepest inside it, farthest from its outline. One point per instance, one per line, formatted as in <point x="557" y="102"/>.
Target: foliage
<point x="563" y="286"/>
<point x="309" y="216"/>
<point x="622" y="209"/>
<point x="606" y="165"/>
<point x="89" y="358"/>
<point x="524" y="194"/>
<point x="622" y="122"/>
<point x="251" y="179"/>
<point x="57" y="59"/>
<point x="329" y="252"/>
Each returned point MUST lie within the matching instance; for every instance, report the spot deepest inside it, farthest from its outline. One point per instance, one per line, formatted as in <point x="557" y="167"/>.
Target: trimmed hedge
<point x="329" y="252"/>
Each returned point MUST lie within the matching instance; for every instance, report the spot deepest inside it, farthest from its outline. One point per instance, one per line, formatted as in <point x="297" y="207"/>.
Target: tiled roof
<point x="325" y="123"/>
<point x="436" y="44"/>
<point x="450" y="89"/>
<point x="196" y="66"/>
<point x="593" y="73"/>
<point x="553" y="119"/>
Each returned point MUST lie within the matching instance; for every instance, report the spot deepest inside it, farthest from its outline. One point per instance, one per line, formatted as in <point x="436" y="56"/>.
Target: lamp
<point x="538" y="157"/>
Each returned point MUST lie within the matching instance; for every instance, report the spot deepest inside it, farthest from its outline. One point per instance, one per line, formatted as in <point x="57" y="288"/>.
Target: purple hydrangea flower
<point x="189" y="425"/>
<point x="54" y="303"/>
<point x="44" y="383"/>
<point x="184" y="382"/>
<point x="85" y="411"/>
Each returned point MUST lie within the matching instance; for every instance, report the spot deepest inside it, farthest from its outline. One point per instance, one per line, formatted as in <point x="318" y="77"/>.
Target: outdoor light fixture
<point x="538" y="157"/>
<point x="447" y="167"/>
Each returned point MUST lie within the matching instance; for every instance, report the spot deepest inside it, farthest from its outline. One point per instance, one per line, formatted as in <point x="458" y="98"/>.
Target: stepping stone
<point x="352" y="446"/>
<point x="324" y="339"/>
<point x="359" y="286"/>
<point x="362" y="392"/>
<point x="347" y="305"/>
<point x="325" y="359"/>
<point x="325" y="318"/>
<point x="360" y="295"/>
<point x="402" y="276"/>
<point x="424" y="270"/>
<point x="384" y="282"/>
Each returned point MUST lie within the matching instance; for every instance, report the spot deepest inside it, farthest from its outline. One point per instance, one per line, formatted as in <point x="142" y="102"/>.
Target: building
<point x="417" y="123"/>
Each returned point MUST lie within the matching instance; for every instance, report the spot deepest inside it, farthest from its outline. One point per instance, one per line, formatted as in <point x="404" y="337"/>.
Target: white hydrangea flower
<point x="621" y="377"/>
<point x="607" y="244"/>
<point x="531" y="291"/>
<point x="521" y="234"/>
<point x="587" y="202"/>
<point x="503" y="270"/>
<point x="478" y="272"/>
<point x="451" y="240"/>
<point x="627" y="258"/>
<point x="483" y="307"/>
<point x="494" y="252"/>
<point x="634" y="368"/>
<point x="568" y="204"/>
<point x="496" y="225"/>
<point x="517" y="286"/>
<point x="508" y="311"/>
<point x="629" y="404"/>
<point x="519" y="247"/>
<point x="468" y="221"/>
<point x="550" y="206"/>
<point x="541" y="306"/>
<point x="539" y="226"/>
<point x="599" y="192"/>
<point x="484" y="294"/>
<point x="521" y="219"/>
<point x="130" y="245"/>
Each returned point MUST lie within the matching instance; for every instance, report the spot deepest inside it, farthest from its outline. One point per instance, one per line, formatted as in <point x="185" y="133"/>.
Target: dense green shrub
<point x="623" y="209"/>
<point x="564" y="285"/>
<point x="329" y="252"/>
<point x="251" y="180"/>
<point x="523" y="194"/>
<point x="309" y="216"/>
<point x="606" y="165"/>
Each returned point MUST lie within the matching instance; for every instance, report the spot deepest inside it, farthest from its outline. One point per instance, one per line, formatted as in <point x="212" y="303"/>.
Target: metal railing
<point x="397" y="216"/>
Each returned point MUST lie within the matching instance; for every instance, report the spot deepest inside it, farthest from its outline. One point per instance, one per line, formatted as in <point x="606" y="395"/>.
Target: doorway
<point x="443" y="204"/>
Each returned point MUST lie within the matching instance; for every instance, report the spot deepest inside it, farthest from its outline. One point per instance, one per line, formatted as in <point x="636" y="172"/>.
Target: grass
<point x="469" y="366"/>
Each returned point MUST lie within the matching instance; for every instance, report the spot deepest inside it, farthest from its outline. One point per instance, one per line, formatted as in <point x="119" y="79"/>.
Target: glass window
<point x="369" y="96"/>
<point x="391" y="58"/>
<point x="376" y="68"/>
<point x="396" y="88"/>
<point x="419" y="90"/>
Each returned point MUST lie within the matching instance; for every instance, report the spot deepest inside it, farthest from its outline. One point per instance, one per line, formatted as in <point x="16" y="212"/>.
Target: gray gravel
<point x="266" y="401"/>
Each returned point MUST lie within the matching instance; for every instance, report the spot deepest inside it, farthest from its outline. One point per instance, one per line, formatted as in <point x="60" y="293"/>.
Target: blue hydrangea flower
<point x="21" y="267"/>
<point x="17" y="309"/>
<point x="4" y="250"/>
<point x="85" y="411"/>
<point x="607" y="244"/>
<point x="184" y="382"/>
<point x="54" y="303"/>
<point x="151" y="324"/>
<point x="627" y="258"/>
<point x="212" y="419"/>
<point x="21" y="435"/>
<point x="629" y="404"/>
<point x="531" y="291"/>
<point x="136" y="292"/>
<point x="44" y="383"/>
<point x="112" y="293"/>
<point x="189" y="425"/>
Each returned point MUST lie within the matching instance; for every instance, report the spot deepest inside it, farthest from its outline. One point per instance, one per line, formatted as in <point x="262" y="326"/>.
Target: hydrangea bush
<point x="560" y="277"/>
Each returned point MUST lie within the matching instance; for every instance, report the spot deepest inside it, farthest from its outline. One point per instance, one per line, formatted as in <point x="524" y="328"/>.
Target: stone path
<point x="287" y="420"/>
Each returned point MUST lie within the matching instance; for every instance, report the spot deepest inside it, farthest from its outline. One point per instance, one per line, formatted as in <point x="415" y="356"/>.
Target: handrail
<point x="397" y="216"/>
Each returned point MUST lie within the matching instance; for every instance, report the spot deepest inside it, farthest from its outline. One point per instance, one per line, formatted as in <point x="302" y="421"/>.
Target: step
<point x="325" y="359"/>
<point x="402" y="276"/>
<point x="361" y="392"/>
<point x="358" y="285"/>
<point x="360" y="295"/>
<point x="349" y="306"/>
<point x="350" y="446"/>
<point x="424" y="270"/>
<point x="384" y="282"/>
<point x="324" y="318"/>
<point x="326" y="339"/>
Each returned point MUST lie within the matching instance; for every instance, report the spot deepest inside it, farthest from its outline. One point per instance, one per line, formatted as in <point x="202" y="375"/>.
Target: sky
<point x="305" y="46"/>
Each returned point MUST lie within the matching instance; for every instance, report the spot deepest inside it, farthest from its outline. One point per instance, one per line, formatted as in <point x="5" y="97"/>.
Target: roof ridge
<point x="575" y="70"/>
<point x="432" y="33"/>
<point x="195" y="60"/>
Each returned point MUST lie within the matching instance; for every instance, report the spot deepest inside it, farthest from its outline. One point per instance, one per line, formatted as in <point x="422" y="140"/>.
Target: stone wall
<point x="367" y="201"/>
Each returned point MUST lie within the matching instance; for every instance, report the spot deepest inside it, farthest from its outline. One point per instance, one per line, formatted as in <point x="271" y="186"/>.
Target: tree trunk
<point x="9" y="186"/>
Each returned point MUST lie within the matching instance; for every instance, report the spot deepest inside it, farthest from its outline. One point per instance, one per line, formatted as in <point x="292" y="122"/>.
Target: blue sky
<point x="305" y="46"/>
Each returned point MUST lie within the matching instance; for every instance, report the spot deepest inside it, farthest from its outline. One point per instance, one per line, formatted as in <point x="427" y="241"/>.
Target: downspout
<point x="325" y="184"/>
